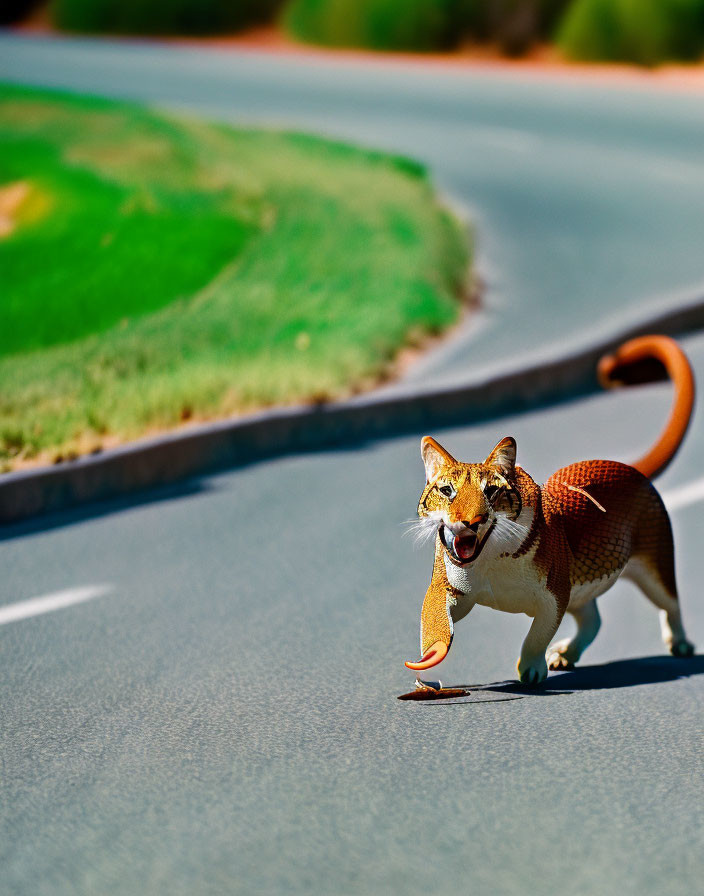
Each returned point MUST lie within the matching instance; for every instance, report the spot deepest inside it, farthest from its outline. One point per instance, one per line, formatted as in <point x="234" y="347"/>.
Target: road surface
<point x="224" y="720"/>
<point x="199" y="687"/>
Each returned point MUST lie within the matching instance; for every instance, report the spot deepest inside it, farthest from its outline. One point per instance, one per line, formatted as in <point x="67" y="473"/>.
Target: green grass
<point x="164" y="270"/>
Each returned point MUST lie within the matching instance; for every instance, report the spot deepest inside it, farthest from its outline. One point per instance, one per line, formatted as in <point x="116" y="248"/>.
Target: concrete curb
<point x="229" y="443"/>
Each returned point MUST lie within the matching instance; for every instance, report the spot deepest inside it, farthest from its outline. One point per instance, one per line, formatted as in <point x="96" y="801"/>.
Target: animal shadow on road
<point x="607" y="676"/>
<point x="616" y="674"/>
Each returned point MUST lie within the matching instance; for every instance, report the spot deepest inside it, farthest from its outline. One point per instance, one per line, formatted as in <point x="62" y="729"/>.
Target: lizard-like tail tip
<point x="436" y="654"/>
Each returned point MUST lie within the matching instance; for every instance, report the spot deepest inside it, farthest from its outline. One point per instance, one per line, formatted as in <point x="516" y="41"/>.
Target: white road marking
<point x="47" y="603"/>
<point x="684" y="495"/>
<point x="674" y="499"/>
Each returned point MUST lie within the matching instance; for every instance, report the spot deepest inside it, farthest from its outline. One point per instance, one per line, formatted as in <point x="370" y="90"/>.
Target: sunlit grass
<point x="165" y="270"/>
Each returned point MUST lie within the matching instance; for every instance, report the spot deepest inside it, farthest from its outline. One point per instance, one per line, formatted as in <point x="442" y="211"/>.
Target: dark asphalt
<point x="225" y="719"/>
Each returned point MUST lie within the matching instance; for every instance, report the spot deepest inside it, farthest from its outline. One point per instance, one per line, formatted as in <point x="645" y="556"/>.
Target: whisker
<point x="422" y="529"/>
<point x="509" y="533"/>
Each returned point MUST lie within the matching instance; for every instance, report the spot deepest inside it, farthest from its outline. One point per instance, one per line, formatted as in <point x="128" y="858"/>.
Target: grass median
<point x="157" y="270"/>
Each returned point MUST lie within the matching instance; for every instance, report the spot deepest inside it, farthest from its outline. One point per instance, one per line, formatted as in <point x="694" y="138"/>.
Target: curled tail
<point x="646" y="360"/>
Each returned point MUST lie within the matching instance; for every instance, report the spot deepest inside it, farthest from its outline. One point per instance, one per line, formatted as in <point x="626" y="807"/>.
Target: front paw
<point x="533" y="673"/>
<point x="682" y="649"/>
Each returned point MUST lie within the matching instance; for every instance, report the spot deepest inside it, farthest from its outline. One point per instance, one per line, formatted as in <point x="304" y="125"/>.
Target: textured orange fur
<point x="580" y="544"/>
<point x="590" y="522"/>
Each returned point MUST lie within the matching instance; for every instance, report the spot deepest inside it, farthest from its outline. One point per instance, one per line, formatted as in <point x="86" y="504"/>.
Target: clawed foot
<point x="561" y="656"/>
<point x="682" y="649"/>
<point x="557" y="662"/>
<point x="533" y="674"/>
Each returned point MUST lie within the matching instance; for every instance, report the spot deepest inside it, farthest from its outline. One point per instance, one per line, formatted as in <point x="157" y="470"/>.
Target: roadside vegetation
<point x="163" y="16"/>
<point x="422" y="25"/>
<point x="645" y="32"/>
<point x="12" y="11"/>
<point x="159" y="270"/>
<point x="418" y="25"/>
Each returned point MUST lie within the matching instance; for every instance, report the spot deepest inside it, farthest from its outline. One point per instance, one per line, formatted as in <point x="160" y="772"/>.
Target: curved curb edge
<point x="216" y="446"/>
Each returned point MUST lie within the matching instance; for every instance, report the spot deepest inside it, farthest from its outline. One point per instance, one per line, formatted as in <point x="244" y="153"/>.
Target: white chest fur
<point x="513" y="585"/>
<point x="497" y="579"/>
<point x="582" y="594"/>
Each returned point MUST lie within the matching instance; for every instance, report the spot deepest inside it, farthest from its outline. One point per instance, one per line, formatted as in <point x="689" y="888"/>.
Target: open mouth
<point x="462" y="548"/>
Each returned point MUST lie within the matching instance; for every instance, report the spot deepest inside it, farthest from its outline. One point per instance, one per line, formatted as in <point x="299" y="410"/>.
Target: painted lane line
<point x="684" y="495"/>
<point x="47" y="603"/>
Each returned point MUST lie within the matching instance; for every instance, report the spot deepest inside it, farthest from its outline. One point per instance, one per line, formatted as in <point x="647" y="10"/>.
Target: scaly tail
<point x="644" y="360"/>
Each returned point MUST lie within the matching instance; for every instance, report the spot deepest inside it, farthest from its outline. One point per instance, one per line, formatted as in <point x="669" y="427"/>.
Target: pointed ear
<point x="434" y="457"/>
<point x="503" y="457"/>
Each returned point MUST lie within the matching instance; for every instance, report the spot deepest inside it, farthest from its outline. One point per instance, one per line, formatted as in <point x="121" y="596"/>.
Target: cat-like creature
<point x="505" y="542"/>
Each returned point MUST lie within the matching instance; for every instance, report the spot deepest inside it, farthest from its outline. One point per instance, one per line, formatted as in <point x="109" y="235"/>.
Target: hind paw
<point x="682" y="649"/>
<point x="561" y="655"/>
<point x="557" y="661"/>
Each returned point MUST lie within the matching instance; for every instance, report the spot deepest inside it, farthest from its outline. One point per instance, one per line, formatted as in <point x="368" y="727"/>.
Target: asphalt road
<point x="221" y="716"/>
<point x="225" y="720"/>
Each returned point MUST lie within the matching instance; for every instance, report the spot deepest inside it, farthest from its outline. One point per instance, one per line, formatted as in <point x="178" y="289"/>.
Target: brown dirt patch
<point x="12" y="197"/>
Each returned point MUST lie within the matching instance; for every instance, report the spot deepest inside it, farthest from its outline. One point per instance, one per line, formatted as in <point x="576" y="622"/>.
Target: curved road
<point x="215" y="712"/>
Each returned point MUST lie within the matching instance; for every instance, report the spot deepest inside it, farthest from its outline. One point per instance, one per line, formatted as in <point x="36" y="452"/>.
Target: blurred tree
<point x="643" y="31"/>
<point x="514" y="25"/>
<point x="163" y="16"/>
<point x="426" y="25"/>
<point x="379" y="24"/>
<point x="13" y="11"/>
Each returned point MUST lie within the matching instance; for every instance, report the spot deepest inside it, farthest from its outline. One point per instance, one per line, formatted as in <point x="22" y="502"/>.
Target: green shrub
<point x="162" y="16"/>
<point x="514" y="25"/>
<point x="378" y="24"/>
<point x="643" y="31"/>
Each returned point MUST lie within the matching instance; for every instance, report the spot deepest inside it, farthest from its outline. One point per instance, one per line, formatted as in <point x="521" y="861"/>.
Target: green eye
<point x="447" y="490"/>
